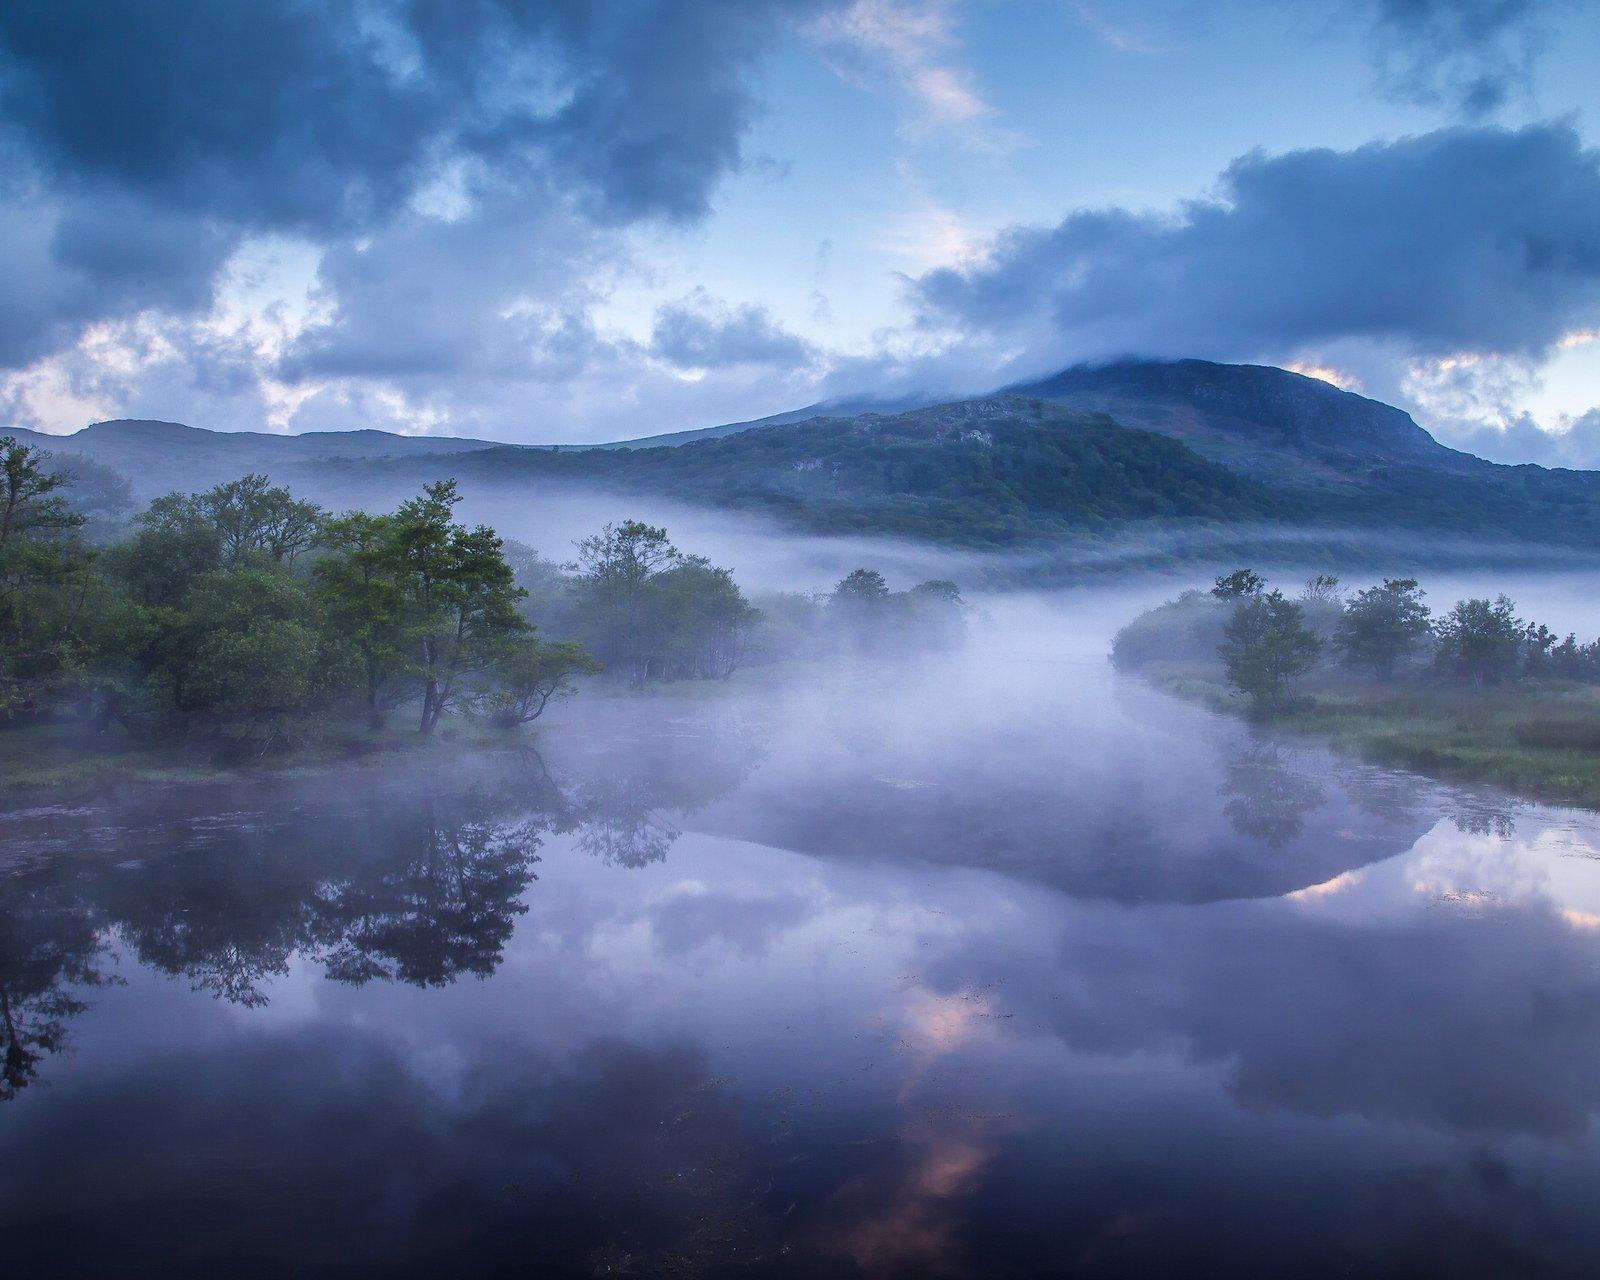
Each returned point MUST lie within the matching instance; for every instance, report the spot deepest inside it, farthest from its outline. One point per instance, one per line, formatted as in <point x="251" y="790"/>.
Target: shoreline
<point x="1537" y="741"/>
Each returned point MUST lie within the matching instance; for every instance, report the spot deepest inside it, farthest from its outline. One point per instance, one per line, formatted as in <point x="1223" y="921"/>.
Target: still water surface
<point x="997" y="965"/>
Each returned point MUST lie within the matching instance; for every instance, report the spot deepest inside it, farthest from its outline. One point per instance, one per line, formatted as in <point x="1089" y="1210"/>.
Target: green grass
<point x="1539" y="740"/>
<point x="67" y="759"/>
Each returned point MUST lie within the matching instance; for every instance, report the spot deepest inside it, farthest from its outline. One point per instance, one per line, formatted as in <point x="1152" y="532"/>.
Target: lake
<point x="985" y="964"/>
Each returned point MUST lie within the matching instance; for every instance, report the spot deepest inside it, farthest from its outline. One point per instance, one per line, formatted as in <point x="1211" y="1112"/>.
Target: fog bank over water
<point x="958" y="962"/>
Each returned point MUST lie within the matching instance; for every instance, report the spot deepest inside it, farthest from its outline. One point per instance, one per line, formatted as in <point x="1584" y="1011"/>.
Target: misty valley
<point x="385" y="892"/>
<point x="966" y="960"/>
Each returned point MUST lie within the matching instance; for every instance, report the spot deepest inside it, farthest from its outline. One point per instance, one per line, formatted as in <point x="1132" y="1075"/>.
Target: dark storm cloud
<point x="1469" y="55"/>
<point x="133" y="127"/>
<point x="71" y="261"/>
<point x="698" y="333"/>
<point x="300" y="116"/>
<point x="274" y="115"/>
<point x="1464" y="239"/>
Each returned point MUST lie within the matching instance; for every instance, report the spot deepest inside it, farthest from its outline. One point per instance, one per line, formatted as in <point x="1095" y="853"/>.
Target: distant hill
<point x="1087" y="451"/>
<point x="995" y="471"/>
<point x="158" y="457"/>
<point x="849" y="407"/>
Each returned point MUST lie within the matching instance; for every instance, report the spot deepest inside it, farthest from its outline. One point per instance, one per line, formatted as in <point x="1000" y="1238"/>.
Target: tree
<point x="244" y="655"/>
<point x="460" y="595"/>
<point x="40" y="554"/>
<point x="242" y="518"/>
<point x="940" y="589"/>
<point x="1382" y="625"/>
<point x="172" y="545"/>
<point x="1480" y="640"/>
<point x="1238" y="585"/>
<point x="103" y="497"/>
<point x="615" y="567"/>
<point x="863" y="586"/>
<point x="530" y="673"/>
<point x="1538" y="649"/>
<point x="32" y="504"/>
<point x="1322" y="589"/>
<point x="700" y="619"/>
<point x="358" y="584"/>
<point x="1267" y="647"/>
<point x="252" y="516"/>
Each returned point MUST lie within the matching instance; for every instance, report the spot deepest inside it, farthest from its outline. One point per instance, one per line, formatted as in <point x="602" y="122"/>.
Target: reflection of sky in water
<point x="1229" y="1007"/>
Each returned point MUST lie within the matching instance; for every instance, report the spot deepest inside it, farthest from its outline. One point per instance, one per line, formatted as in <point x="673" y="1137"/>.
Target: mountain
<point x="1089" y="450"/>
<point x="158" y="457"/>
<point x="847" y="407"/>
<point x="1251" y="417"/>
<point x="996" y="471"/>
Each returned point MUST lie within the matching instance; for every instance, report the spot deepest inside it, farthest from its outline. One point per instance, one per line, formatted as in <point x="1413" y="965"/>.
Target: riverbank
<point x="1540" y="740"/>
<point x="67" y="758"/>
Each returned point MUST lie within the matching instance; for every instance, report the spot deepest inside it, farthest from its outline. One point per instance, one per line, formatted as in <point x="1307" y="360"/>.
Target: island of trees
<point x="243" y="622"/>
<point x="1474" y="692"/>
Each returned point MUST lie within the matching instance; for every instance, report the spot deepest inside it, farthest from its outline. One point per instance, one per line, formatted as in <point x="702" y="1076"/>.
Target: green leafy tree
<point x="364" y="602"/>
<point x="1238" y="585"/>
<point x="1480" y="641"/>
<point x="1383" y="625"/>
<point x="615" y="606"/>
<point x="863" y="586"/>
<point x="172" y="545"/>
<point x="251" y="516"/>
<point x="529" y="674"/>
<point x="42" y="566"/>
<point x="243" y="657"/>
<point x="1267" y="647"/>
<point x="461" y="596"/>
<point x="702" y="620"/>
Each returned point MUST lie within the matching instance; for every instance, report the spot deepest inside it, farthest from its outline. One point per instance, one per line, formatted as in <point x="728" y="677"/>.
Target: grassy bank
<point x="68" y="758"/>
<point x="64" y="759"/>
<point x="1537" y="739"/>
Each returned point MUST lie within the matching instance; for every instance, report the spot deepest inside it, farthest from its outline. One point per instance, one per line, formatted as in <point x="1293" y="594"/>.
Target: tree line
<point x="1268" y="642"/>
<point x="246" y="618"/>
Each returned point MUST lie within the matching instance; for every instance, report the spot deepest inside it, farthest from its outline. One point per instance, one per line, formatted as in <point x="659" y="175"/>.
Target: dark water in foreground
<point x="1000" y="967"/>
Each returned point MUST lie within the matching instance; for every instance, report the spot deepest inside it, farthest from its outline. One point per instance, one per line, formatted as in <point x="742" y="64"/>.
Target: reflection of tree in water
<point x="421" y="890"/>
<point x="228" y="915"/>
<point x="627" y="799"/>
<point x="1265" y="799"/>
<point x="624" y="822"/>
<point x="50" y="945"/>
<point x="1485" y="816"/>
<point x="441" y="904"/>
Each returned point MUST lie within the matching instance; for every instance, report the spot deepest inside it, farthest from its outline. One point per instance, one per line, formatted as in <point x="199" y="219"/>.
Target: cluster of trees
<point x="236" y="614"/>
<point x="650" y="612"/>
<point x="245" y="617"/>
<point x="1268" y="641"/>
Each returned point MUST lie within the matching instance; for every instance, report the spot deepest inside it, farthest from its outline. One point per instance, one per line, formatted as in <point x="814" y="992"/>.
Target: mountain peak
<point x="1244" y="410"/>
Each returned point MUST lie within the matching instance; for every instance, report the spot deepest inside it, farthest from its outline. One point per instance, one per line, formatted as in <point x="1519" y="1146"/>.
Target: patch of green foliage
<point x="1478" y="695"/>
<point x="242" y="623"/>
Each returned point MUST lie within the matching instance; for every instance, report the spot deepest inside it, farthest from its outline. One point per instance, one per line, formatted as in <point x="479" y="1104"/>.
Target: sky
<point x="585" y="220"/>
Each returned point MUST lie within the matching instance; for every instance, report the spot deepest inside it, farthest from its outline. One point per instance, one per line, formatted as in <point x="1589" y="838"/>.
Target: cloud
<point x="910" y="41"/>
<point x="700" y="333"/>
<point x="71" y="262"/>
<point x="146" y="142"/>
<point x="1470" y="56"/>
<point x="1574" y="442"/>
<point x="1463" y="240"/>
<point x="324" y="117"/>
